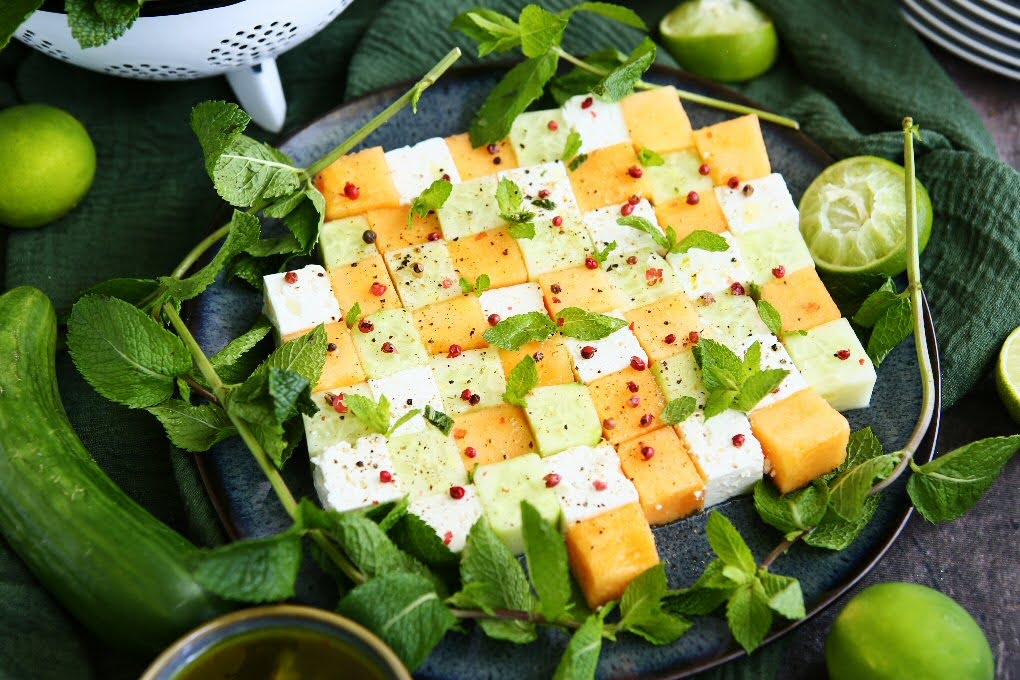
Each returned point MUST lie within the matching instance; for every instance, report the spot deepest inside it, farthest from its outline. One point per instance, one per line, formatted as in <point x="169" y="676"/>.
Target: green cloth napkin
<point x="849" y="72"/>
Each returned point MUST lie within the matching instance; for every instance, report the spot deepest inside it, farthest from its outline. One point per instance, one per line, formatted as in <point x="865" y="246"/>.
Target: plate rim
<point x="930" y="33"/>
<point x="926" y="451"/>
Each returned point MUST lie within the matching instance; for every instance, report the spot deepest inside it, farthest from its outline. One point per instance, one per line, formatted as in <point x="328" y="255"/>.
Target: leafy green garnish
<point x="572" y="147"/>
<point x="546" y="554"/>
<point x="701" y="240"/>
<point x="97" y="22"/>
<point x="890" y="316"/>
<point x="620" y="82"/>
<point x="510" y="200"/>
<point x="437" y="419"/>
<point x="480" y="285"/>
<point x="641" y="611"/>
<point x="575" y="322"/>
<point x="578" y="161"/>
<point x="731" y="381"/>
<point x="252" y="570"/>
<point x="431" y="199"/>
<point x="193" y="428"/>
<point x="353" y="315"/>
<point x="678" y="410"/>
<point x="375" y="416"/>
<point x="602" y="254"/>
<point x="521" y="380"/>
<point x="649" y="158"/>
<point x="514" y="332"/>
<point x="511" y="97"/>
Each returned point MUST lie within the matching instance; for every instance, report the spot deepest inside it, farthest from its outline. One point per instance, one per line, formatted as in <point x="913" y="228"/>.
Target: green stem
<point x="685" y="95"/>
<point x="779" y="550"/>
<point x="368" y="128"/>
<point x="205" y="244"/>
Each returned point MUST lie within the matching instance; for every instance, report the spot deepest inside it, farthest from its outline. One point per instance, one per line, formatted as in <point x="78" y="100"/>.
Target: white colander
<point x="186" y="39"/>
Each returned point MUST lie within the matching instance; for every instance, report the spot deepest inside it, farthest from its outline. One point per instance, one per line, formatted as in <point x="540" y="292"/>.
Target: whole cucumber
<point x="120" y="571"/>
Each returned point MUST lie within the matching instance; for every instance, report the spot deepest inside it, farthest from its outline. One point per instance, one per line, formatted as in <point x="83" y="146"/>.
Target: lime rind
<point x="1007" y="375"/>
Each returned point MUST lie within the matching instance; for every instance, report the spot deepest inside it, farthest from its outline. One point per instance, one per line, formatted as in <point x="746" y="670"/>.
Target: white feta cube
<point x="612" y="353"/>
<point x="704" y="271"/>
<point x="409" y="390"/>
<point x="590" y="481"/>
<point x="774" y="355"/>
<point x="834" y="363"/>
<point x="348" y="477"/>
<point x="726" y="452"/>
<point x="414" y="168"/>
<point x="767" y="204"/>
<point x="300" y="304"/>
<point x="603" y="228"/>
<point x="452" y="518"/>
<point x="599" y="123"/>
<point x="512" y="300"/>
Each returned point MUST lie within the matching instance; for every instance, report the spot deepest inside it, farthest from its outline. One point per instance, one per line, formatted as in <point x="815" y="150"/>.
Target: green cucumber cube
<point x="677" y="176"/>
<point x="640" y="284"/>
<point x="562" y="416"/>
<point x="765" y="249"/>
<point x="427" y="463"/>
<point x="470" y="209"/>
<point x="342" y="243"/>
<point x="479" y="370"/>
<point x="423" y="274"/>
<point x="394" y="326"/>
<point x="731" y="319"/>
<point x="533" y="140"/>
<point x="846" y="383"/>
<point x="328" y="427"/>
<point x="501" y="488"/>
<point x="679" y="376"/>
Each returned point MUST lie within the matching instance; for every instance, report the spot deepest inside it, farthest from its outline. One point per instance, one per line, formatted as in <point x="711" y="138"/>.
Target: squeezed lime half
<point x="854" y="217"/>
<point x="1007" y="374"/>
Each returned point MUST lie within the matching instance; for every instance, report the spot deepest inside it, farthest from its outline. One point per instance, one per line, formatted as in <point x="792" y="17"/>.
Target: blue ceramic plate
<point x="248" y="507"/>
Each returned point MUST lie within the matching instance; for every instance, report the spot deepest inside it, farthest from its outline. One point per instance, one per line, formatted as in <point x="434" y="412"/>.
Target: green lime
<point x="1007" y="374"/>
<point x="725" y="40"/>
<point x="893" y="631"/>
<point x="47" y="163"/>
<point x="854" y="217"/>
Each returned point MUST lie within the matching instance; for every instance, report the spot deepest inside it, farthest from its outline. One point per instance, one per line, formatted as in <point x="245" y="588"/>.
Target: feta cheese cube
<point x="414" y="168"/>
<point x="612" y="353"/>
<point x="833" y="362"/>
<point x="590" y="481"/>
<point x="302" y="305"/>
<point x="729" y="469"/>
<point x="600" y="123"/>
<point x="478" y="370"/>
<point x="767" y="204"/>
<point x="774" y="355"/>
<point x="327" y="427"/>
<point x="703" y="271"/>
<point x="512" y="300"/>
<point x="423" y="274"/>
<point x="409" y="390"/>
<point x="346" y="476"/>
<point x="451" y="518"/>
<point x="603" y="229"/>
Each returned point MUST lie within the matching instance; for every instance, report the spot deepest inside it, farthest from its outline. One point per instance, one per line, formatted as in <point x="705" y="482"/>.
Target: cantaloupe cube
<point x="451" y="322"/>
<point x="802" y="438"/>
<point x="609" y="551"/>
<point x="704" y="215"/>
<point x="623" y="399"/>
<point x="581" y="287"/>
<point x="367" y="170"/>
<point x="496" y="434"/>
<point x="551" y="358"/>
<point x="663" y="327"/>
<point x="734" y="148"/>
<point x="353" y="284"/>
<point x="668" y="482"/>
<point x="494" y="253"/>
<point x="801" y="300"/>
<point x="342" y="367"/>
<point x="604" y="179"/>
<point x="656" y="120"/>
<point x="472" y="162"/>
<point x="392" y="232"/>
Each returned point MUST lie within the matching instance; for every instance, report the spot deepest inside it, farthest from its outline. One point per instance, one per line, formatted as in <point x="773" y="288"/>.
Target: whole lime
<point x="893" y="631"/>
<point x="47" y="162"/>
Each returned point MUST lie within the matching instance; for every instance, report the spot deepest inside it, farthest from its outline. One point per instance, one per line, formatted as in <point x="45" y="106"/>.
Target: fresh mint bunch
<point x="97" y="22"/>
<point x="733" y="382"/>
<point x="890" y="317"/>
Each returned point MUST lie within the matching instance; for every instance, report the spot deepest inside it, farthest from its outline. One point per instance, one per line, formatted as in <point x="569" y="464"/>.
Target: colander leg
<point x="260" y="92"/>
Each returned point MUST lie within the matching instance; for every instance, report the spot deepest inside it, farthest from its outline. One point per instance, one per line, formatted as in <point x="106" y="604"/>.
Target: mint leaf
<point x="721" y="368"/>
<point x="305" y="221"/>
<point x="404" y="418"/>
<point x="244" y="232"/>
<point x="402" y="609"/>
<point x="863" y="445"/>
<point x="704" y="596"/>
<point x="12" y="15"/>
<point x="516" y="331"/>
<point x="749" y="615"/>
<point x="701" y="240"/>
<point x="480" y="285"/>
<point x="291" y="393"/>
<point x="374" y="416"/>
<point x="950" y="485"/>
<point x="572" y="146"/>
<point x="641" y="611"/>
<point x="848" y="491"/>
<point x="649" y="158"/>
<point x="719" y="401"/>
<point x="727" y="543"/>
<point x="437" y="419"/>
<point x="544" y="203"/>
<point x="876" y="304"/>
<point x="578" y="161"/>
<point x="305" y="356"/>
<point x="433" y="198"/>
<point x="248" y="171"/>
<point x="835" y="533"/>
<point x="757" y="387"/>
<point x="522" y="230"/>
<point x="850" y="290"/>
<point x="602" y="255"/>
<point x="546" y="554"/>
<point x="521" y="86"/>
<point x="232" y="363"/>
<point x="92" y="28"/>
<point x="893" y="327"/>
<point x="252" y="404"/>
<point x="641" y="224"/>
<point x="252" y="570"/>
<point x="492" y="31"/>
<point x="620" y="82"/>
<point x="217" y="124"/>
<point x="678" y="410"/>
<point x="419" y="540"/>
<point x="522" y="379"/>
<point x="134" y="291"/>
<point x="783" y="593"/>
<point x="770" y="315"/>
<point x="510" y="201"/>
<point x="752" y="360"/>
<point x="540" y="30"/>
<point x="619" y="13"/>
<point x="353" y="315"/>
<point x="582" y="325"/>
<point x="581" y="657"/>
<point x="793" y="512"/>
<point x="123" y="353"/>
<point x="193" y="428"/>
<point x="581" y="81"/>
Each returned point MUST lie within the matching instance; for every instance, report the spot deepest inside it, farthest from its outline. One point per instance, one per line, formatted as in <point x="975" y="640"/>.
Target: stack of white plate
<point x="984" y="32"/>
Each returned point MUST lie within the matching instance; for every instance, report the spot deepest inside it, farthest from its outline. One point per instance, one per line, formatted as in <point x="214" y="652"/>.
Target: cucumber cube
<point x="423" y="274"/>
<point x="765" y="205"/>
<point x="301" y="305"/>
<point x="603" y="229"/>
<point x="452" y="518"/>
<point x="346" y="476"/>
<point x="342" y="243"/>
<point x="774" y="355"/>
<point x="554" y="248"/>
<point x="679" y="376"/>
<point x="729" y="470"/>
<point x="512" y="300"/>
<point x="409" y="390"/>
<point x="396" y="327"/>
<point x="612" y="353"/>
<point x="414" y="168"/>
<point x="704" y="271"/>
<point x="478" y="370"/>
<point x="677" y="176"/>
<point x="328" y="427"/>
<point x="427" y="463"/>
<point x="533" y="140"/>
<point x="731" y="320"/>
<point x="650" y="278"/>
<point x="600" y="123"/>
<point x="590" y="481"/>
<point x="771" y="247"/>
<point x="846" y="383"/>
<point x="562" y="416"/>
<point x="501" y="488"/>
<point x="470" y="209"/>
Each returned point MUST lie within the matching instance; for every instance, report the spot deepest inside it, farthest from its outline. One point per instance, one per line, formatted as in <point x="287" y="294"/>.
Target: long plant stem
<point x="777" y="552"/>
<point x="513" y="615"/>
<point x="685" y="95"/>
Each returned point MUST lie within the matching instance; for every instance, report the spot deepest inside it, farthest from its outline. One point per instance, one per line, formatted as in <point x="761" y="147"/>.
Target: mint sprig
<point x="577" y="323"/>
<point x="514" y="332"/>
<point x="520" y="381"/>
<point x="734" y="382"/>
<point x="481" y="284"/>
<point x="431" y="199"/>
<point x="572" y="147"/>
<point x="649" y="158"/>
<point x="678" y="410"/>
<point x="510" y="200"/>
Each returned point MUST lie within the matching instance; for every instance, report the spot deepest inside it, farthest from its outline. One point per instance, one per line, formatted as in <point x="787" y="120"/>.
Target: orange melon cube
<point x="496" y="434"/>
<point x="622" y="399"/>
<point x="734" y="148"/>
<point x="554" y="367"/>
<point x="604" y="179"/>
<point x="607" y="552"/>
<point x="458" y="321"/>
<point x="366" y="170"/>
<point x="392" y="232"/>
<point x="668" y="483"/>
<point x="353" y="284"/>
<point x="801" y="299"/>
<point x="581" y="287"/>
<point x="704" y="215"/>
<point x="656" y="120"/>
<point x="473" y="163"/>
<point x="342" y="367"/>
<point x="802" y="437"/>
<point x="663" y="327"/>
<point x="494" y="253"/>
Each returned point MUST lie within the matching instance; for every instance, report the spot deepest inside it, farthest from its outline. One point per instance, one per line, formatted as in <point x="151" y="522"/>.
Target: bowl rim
<point x="171" y="653"/>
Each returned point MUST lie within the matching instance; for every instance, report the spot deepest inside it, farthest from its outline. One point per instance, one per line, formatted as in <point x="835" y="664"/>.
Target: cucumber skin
<point x="120" y="571"/>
